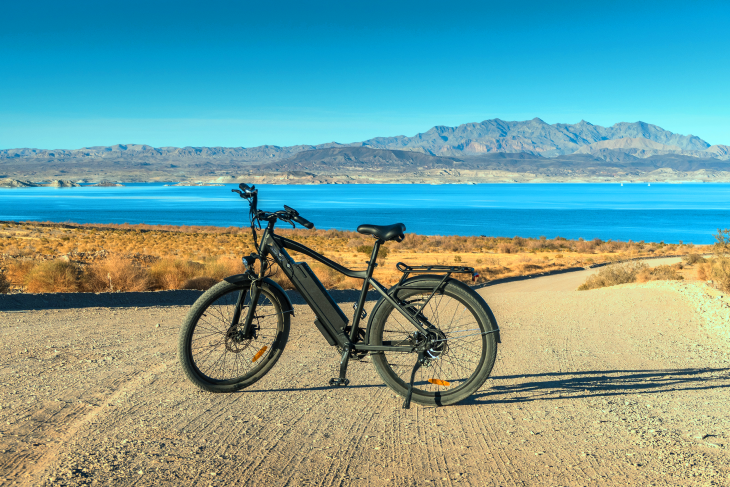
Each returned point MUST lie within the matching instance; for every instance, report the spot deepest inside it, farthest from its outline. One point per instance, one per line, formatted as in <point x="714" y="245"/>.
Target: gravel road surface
<point x="618" y="386"/>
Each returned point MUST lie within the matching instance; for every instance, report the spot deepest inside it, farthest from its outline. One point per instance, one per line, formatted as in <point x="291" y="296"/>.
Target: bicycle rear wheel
<point x="212" y="351"/>
<point x="458" y="363"/>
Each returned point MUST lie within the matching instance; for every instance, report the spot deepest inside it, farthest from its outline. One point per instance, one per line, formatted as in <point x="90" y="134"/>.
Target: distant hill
<point x="533" y="136"/>
<point x="531" y="146"/>
<point x="359" y="159"/>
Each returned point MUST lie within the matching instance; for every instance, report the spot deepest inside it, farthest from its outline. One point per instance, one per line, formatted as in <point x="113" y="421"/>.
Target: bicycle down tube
<point x="322" y="303"/>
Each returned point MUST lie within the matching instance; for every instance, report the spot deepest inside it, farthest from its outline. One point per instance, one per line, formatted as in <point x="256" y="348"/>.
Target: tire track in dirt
<point x="74" y="427"/>
<point x="532" y="423"/>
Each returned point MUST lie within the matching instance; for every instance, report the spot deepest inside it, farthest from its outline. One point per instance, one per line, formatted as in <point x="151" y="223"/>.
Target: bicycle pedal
<point x="339" y="382"/>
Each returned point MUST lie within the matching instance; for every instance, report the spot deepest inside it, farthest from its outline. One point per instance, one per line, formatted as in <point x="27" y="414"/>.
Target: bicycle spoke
<point x="462" y="345"/>
<point x="216" y="350"/>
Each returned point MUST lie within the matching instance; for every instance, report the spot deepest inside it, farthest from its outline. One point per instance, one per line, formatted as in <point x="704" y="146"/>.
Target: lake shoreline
<point x="652" y="212"/>
<point x="494" y="177"/>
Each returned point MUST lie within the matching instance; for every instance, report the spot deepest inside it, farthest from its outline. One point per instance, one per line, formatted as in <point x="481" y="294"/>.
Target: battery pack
<point x="330" y="316"/>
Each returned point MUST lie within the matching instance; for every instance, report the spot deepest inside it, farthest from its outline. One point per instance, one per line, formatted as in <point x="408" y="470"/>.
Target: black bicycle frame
<point x="331" y="320"/>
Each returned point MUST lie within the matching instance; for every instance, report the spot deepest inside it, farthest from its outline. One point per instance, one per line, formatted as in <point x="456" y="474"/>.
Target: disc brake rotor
<point x="234" y="342"/>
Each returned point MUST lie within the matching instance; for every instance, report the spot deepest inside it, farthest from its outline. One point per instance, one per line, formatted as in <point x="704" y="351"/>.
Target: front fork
<point x="247" y="331"/>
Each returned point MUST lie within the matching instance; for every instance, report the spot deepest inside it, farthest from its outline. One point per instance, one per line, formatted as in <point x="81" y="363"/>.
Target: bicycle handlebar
<point x="289" y="214"/>
<point x="303" y="222"/>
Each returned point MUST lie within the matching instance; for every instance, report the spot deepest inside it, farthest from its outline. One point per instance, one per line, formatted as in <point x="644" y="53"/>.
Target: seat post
<point x="374" y="256"/>
<point x="364" y="293"/>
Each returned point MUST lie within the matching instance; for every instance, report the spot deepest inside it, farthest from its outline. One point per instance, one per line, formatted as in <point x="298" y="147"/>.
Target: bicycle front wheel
<point x="212" y="350"/>
<point x="458" y="364"/>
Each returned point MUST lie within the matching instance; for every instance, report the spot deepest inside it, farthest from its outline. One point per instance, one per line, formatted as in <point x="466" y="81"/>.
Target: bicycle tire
<point x="208" y="345"/>
<point x="464" y="364"/>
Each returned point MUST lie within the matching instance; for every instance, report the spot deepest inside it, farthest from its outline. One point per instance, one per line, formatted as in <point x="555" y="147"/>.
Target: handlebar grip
<point x="303" y="222"/>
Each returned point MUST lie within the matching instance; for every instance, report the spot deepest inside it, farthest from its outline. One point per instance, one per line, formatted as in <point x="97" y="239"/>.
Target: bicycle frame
<point x="326" y="309"/>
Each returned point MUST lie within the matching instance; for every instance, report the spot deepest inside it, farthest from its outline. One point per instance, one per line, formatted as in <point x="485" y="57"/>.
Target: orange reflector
<point x="439" y="382"/>
<point x="259" y="353"/>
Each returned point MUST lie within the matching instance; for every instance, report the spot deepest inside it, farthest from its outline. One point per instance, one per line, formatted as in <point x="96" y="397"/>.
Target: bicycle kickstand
<point x="342" y="381"/>
<point x="407" y="402"/>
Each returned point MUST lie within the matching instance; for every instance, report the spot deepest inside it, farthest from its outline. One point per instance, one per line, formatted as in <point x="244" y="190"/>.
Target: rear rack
<point x="424" y="269"/>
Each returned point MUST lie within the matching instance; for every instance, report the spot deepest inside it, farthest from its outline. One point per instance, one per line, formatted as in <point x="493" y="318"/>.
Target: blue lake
<point x="660" y="212"/>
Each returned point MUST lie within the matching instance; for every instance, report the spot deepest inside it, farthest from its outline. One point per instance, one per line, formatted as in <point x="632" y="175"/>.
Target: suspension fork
<point x="248" y="327"/>
<point x="255" y="292"/>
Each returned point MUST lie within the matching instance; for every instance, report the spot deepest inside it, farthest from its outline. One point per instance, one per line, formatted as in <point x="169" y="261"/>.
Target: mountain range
<point x="492" y="145"/>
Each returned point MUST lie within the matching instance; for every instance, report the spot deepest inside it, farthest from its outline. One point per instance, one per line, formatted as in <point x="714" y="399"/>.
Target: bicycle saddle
<point x="384" y="232"/>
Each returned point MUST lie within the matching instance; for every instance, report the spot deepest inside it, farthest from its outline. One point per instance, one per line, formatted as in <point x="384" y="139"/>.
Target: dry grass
<point x="115" y="273"/>
<point x="17" y="269"/>
<point x="716" y="270"/>
<point x="660" y="273"/>
<point x="4" y="283"/>
<point x="720" y="265"/>
<point x="170" y="273"/>
<point x="52" y="276"/>
<point x="200" y="283"/>
<point x="613" y="275"/>
<point x="181" y="257"/>
<point x="691" y="259"/>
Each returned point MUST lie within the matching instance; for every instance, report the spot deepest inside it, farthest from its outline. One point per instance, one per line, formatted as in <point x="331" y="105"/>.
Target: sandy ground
<point x="618" y="386"/>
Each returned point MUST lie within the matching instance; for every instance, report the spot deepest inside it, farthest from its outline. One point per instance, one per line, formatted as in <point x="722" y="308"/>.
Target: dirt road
<point x="621" y="386"/>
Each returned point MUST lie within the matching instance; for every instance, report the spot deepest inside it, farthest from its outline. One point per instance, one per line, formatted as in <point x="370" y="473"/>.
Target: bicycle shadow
<point x="319" y="388"/>
<point x="46" y="301"/>
<point x="603" y="383"/>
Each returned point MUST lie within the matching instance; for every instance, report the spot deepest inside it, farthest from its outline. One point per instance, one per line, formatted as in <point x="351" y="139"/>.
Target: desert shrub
<point x="612" y="275"/>
<point x="368" y="250"/>
<point x="585" y="247"/>
<point x="283" y="281"/>
<point x="52" y="276"/>
<point x="722" y="242"/>
<point x="17" y="270"/>
<point x="720" y="273"/>
<point x="507" y="248"/>
<point x="704" y="271"/>
<point x="355" y="242"/>
<point x="691" y="259"/>
<point x="202" y="283"/>
<point x="221" y="268"/>
<point x="4" y="283"/>
<point x="330" y="278"/>
<point x="659" y="273"/>
<point x="172" y="273"/>
<point x="720" y="265"/>
<point x="527" y="268"/>
<point x="115" y="273"/>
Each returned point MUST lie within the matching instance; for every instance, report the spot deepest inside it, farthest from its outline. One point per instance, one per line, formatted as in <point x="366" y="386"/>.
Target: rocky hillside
<point x="531" y="146"/>
<point x="532" y="136"/>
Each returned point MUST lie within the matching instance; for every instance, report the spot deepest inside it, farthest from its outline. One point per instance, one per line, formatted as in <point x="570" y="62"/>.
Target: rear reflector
<point x="439" y="382"/>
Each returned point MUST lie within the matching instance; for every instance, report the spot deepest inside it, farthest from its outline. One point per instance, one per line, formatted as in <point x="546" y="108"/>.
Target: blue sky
<point x="236" y="73"/>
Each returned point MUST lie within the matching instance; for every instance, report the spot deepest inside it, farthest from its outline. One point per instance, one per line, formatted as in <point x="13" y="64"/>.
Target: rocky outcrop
<point x="59" y="183"/>
<point x="16" y="183"/>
